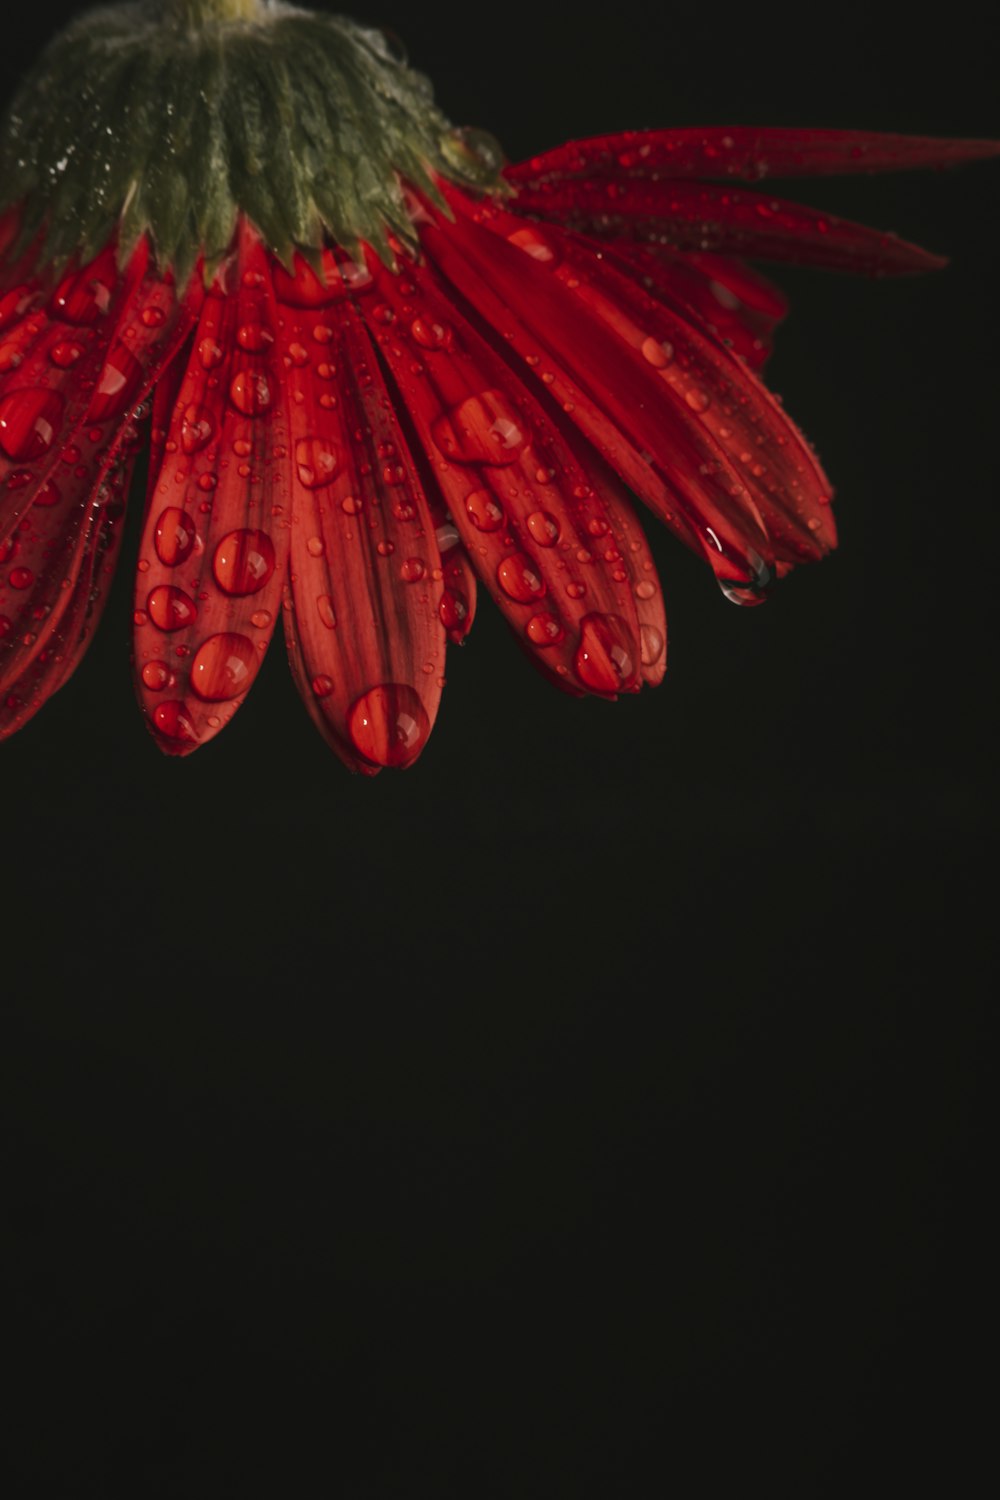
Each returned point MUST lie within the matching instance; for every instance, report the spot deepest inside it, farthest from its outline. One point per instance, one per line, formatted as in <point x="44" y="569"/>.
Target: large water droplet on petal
<point x="197" y="428"/>
<point x="244" y="561"/>
<point x="389" y="724"/>
<point x="544" y="528"/>
<point x="173" y="719"/>
<point x="252" y="392"/>
<point x="171" y="608"/>
<point x="29" y="421"/>
<point x="316" y="462"/>
<point x="520" y="579"/>
<point x="174" y="536"/>
<point x="481" y="430"/>
<point x="604" y="659"/>
<point x="545" y="630"/>
<point x="484" y="511"/>
<point x="82" y="297"/>
<point x="118" y="386"/>
<point x="224" y="666"/>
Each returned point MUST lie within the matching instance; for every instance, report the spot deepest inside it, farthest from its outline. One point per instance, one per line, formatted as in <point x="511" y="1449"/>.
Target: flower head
<point x="376" y="367"/>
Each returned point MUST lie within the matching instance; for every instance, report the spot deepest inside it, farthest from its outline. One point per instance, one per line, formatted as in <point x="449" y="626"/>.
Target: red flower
<point x="350" y="449"/>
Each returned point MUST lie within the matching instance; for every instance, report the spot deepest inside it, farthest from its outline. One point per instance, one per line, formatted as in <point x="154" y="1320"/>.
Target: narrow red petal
<point x="367" y="643"/>
<point x="551" y="541"/>
<point x="60" y="538"/>
<point x="739" y="306"/>
<point x="735" y="221"/>
<point x="45" y="670"/>
<point x="215" y="543"/>
<point x="608" y="388"/>
<point x="749" y="153"/>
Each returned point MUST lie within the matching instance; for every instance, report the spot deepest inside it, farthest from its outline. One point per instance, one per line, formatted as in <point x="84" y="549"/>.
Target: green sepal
<point x="141" y="120"/>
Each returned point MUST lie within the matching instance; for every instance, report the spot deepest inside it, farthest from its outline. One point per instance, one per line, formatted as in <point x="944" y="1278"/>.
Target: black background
<point x="596" y="1108"/>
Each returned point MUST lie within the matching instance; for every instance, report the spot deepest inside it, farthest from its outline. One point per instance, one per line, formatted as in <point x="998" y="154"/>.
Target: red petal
<point x="67" y="531"/>
<point x="46" y="669"/>
<point x="607" y="387"/>
<point x="737" y="221"/>
<point x="750" y="153"/>
<point x="366" y="640"/>
<point x="551" y="539"/>
<point x="739" y="306"/>
<point x="215" y="543"/>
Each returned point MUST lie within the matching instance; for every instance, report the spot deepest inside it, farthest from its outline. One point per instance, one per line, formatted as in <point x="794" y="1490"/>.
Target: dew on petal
<point x="251" y="392"/>
<point x="389" y="724"/>
<point x="174" y="536"/>
<point x="118" y="386"/>
<point x="604" y="657"/>
<point x="519" y="579"/>
<point x="170" y="608"/>
<point x="658" y="352"/>
<point x="155" y="676"/>
<point x="325" y="610"/>
<point x="453" y="609"/>
<point x="20" y="578"/>
<point x="244" y="561"/>
<point x="81" y="298"/>
<point x="254" y="338"/>
<point x="66" y="353"/>
<point x="412" y="569"/>
<point x="544" y="528"/>
<point x="545" y="630"/>
<point x="316" y="462"/>
<point x="483" y="510"/>
<point x="651" y="644"/>
<point x="173" y="719"/>
<point x="322" y="685"/>
<point x="211" y="354"/>
<point x="197" y="428"/>
<point x="223" y="667"/>
<point x="481" y="429"/>
<point x="533" y="243"/>
<point x="49" y="494"/>
<point x="29" y="420"/>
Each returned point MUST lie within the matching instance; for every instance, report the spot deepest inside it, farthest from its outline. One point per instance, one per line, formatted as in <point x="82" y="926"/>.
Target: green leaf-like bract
<point x="306" y="123"/>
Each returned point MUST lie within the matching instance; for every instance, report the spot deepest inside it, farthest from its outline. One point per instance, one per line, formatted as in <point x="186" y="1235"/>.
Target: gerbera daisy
<point x="377" y="367"/>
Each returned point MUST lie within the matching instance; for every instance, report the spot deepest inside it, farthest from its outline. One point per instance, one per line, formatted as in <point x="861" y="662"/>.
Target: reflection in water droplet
<point x="197" y="429"/>
<point x="223" y="667"/>
<point x="118" y="386"/>
<point x="544" y="528"/>
<point x="174" y="536"/>
<point x="156" y="675"/>
<point x="604" y="658"/>
<point x="545" y="630"/>
<point x="481" y="429"/>
<point x="485" y="513"/>
<point x="251" y="392"/>
<point x="171" y="608"/>
<point x="29" y="420"/>
<point x="453" y="609"/>
<point x="316" y="462"/>
<point x="244" y="561"/>
<point x="389" y="724"/>
<point x="519" y="578"/>
<point x="174" y="720"/>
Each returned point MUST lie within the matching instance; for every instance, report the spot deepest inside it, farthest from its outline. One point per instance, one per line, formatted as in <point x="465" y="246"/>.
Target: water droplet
<point x="261" y="618"/>
<point x="657" y="352"/>
<point x="14" y="304"/>
<point x="66" y="353"/>
<point x="251" y="392"/>
<point x="545" y="630"/>
<point x="82" y="298"/>
<point x="207" y="482"/>
<point x="576" y="590"/>
<point x="298" y="355"/>
<point x="453" y="609"/>
<point x="316" y="462"/>
<point x="484" y="511"/>
<point x="350" y="505"/>
<point x="156" y="675"/>
<point x="153" y="317"/>
<point x="322" y="686"/>
<point x="223" y="667"/>
<point x="651" y="644"/>
<point x="324" y="608"/>
<point x="118" y="386"/>
<point x="49" y="494"/>
<point x="519" y="579"/>
<point x="533" y="243"/>
<point x="322" y="333"/>
<point x="254" y="338"/>
<point x="29" y="420"/>
<point x="6" y="625"/>
<point x="544" y="528"/>
<point x="197" y="429"/>
<point x="20" y="578"/>
<point x="174" y="720"/>
<point x="211" y="354"/>
<point x="604" y="659"/>
<point x="244" y="561"/>
<point x="170" y="608"/>
<point x="303" y="288"/>
<point x="175" y="536"/>
<point x="385" y="548"/>
<point x="645" y="590"/>
<point x="412" y="569"/>
<point x="389" y="724"/>
<point x="430" y="334"/>
<point x="481" y="430"/>
<point x="697" y="399"/>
